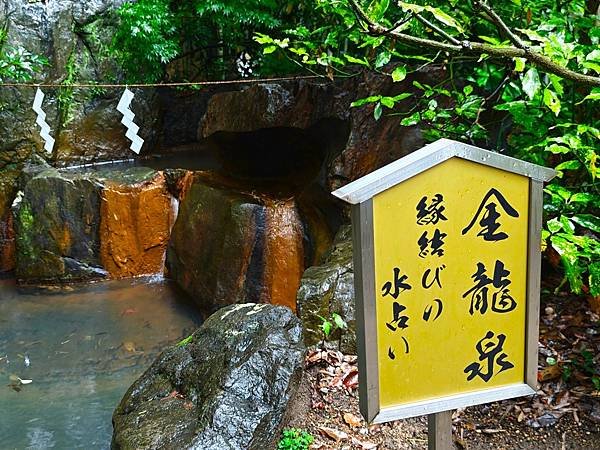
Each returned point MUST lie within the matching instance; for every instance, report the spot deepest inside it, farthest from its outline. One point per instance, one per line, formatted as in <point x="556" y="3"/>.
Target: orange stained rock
<point x="62" y="237"/>
<point x="184" y="184"/>
<point x="135" y="224"/>
<point x="284" y="253"/>
<point x="7" y="244"/>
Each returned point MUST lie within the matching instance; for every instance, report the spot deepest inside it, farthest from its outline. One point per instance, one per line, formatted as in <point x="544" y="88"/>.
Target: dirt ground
<point x="564" y="414"/>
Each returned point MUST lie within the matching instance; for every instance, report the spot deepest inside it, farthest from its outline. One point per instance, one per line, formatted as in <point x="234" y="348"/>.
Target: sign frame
<point x="360" y="195"/>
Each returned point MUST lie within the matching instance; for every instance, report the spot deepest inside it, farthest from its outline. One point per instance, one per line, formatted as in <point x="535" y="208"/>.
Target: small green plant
<point x="330" y="324"/>
<point x="16" y="63"/>
<point x="295" y="439"/>
<point x="185" y="341"/>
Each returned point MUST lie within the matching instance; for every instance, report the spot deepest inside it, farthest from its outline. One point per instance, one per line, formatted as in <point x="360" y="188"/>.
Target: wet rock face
<point x="135" y="226"/>
<point x="8" y="190"/>
<point x="72" y="35"/>
<point x="57" y="226"/>
<point x="365" y="146"/>
<point x="74" y="226"/>
<point x="227" y="388"/>
<point x="228" y="246"/>
<point x="329" y="288"/>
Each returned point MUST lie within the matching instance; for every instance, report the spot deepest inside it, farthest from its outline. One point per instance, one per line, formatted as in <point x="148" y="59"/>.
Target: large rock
<point x="57" y="228"/>
<point x="229" y="246"/>
<point x="136" y="217"/>
<point x="323" y="107"/>
<point x="73" y="226"/>
<point x="228" y="388"/>
<point x="73" y="35"/>
<point x="8" y="190"/>
<point x="326" y="289"/>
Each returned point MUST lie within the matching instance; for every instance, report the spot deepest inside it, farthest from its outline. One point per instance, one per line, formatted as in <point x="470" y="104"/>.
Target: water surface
<point x="82" y="347"/>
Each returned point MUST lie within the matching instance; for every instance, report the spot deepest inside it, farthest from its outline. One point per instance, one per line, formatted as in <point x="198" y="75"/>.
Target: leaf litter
<point x="563" y="414"/>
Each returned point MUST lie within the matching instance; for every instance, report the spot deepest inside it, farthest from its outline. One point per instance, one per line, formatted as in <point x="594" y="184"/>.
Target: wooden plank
<point x="439" y="431"/>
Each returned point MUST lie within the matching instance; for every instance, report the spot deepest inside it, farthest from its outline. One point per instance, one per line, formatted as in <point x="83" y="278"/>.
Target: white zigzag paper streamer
<point x="41" y="121"/>
<point x="128" y="116"/>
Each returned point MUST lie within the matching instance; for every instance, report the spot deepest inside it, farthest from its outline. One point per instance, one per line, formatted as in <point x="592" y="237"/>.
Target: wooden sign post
<point x="447" y="281"/>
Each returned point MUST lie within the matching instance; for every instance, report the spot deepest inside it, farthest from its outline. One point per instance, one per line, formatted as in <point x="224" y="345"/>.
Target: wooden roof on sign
<point x="429" y="156"/>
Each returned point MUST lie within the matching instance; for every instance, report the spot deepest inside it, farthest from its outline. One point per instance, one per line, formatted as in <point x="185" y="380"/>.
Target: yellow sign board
<point x="446" y="258"/>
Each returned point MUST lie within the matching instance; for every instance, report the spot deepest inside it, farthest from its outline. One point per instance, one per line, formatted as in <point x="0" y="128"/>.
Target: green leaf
<point x="554" y="225"/>
<point x="352" y="59"/>
<point x="490" y="40"/>
<point x="444" y="18"/>
<point x="411" y="120"/>
<point x="270" y="49"/>
<point x="388" y="102"/>
<point x="400" y="97"/>
<point x="399" y="73"/>
<point x="377" y="111"/>
<point x="594" y="95"/>
<point x="326" y="327"/>
<point x="569" y="165"/>
<point x="377" y="9"/>
<point x="582" y="197"/>
<point x="567" y="226"/>
<point x="339" y="322"/>
<point x="520" y="64"/>
<point x="364" y="101"/>
<point x="588" y="221"/>
<point x="568" y="253"/>
<point x="185" y="341"/>
<point x="382" y="59"/>
<point x="551" y="101"/>
<point x="531" y="83"/>
<point x="437" y="13"/>
<point x="411" y="7"/>
<point x="556" y="84"/>
<point x="557" y="149"/>
<point x="594" y="278"/>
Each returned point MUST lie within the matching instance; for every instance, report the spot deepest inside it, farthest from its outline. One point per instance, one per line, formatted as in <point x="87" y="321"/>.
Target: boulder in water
<point x="225" y="387"/>
<point x="229" y="246"/>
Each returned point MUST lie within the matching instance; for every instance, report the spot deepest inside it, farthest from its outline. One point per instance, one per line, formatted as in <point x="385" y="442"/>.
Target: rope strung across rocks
<point x="145" y="85"/>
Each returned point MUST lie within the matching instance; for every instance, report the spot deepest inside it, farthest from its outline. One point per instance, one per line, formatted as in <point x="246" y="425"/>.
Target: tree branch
<point x="497" y="20"/>
<point x="476" y="48"/>
<point x="437" y="29"/>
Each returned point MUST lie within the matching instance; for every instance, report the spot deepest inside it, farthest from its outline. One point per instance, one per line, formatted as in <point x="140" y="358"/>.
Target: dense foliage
<point x="200" y="38"/>
<point x="508" y="104"/>
<point x="16" y="63"/>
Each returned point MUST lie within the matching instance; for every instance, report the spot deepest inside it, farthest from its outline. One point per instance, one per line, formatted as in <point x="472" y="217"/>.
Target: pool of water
<point x="81" y="347"/>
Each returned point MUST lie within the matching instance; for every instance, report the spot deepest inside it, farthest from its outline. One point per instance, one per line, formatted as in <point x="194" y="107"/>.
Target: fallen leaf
<point x="129" y="346"/>
<point x="492" y="430"/>
<point x="317" y="446"/>
<point x="129" y="311"/>
<point x="332" y="433"/>
<point x="352" y="420"/>
<point x="364" y="444"/>
<point x="315" y="356"/>
<point x="350" y="380"/>
<point x="549" y="373"/>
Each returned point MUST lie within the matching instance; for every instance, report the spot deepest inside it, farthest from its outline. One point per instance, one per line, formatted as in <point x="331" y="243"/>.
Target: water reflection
<point x="82" y="347"/>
